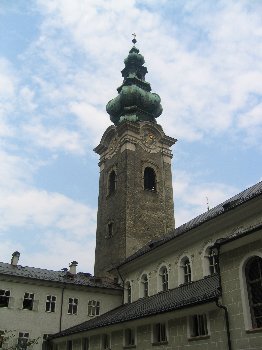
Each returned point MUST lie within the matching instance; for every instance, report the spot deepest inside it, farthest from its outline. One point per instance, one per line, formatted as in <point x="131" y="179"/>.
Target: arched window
<point x="128" y="292"/>
<point x="253" y="273"/>
<point x="149" y="179"/>
<point x="186" y="269"/>
<point x="163" y="273"/>
<point x="112" y="182"/>
<point x="213" y="261"/>
<point x="144" y="286"/>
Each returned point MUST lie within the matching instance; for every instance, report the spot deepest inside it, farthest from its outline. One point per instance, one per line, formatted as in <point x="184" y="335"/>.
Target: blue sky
<point x="60" y="63"/>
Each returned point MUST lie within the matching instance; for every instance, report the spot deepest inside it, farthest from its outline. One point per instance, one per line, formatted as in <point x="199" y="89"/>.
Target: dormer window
<point x="149" y="179"/>
<point x="112" y="182"/>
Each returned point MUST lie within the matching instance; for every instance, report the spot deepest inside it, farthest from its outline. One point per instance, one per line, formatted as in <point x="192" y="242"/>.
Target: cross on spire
<point x="134" y="40"/>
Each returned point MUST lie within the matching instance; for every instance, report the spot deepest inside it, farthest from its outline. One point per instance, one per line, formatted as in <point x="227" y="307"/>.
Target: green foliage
<point x="8" y="342"/>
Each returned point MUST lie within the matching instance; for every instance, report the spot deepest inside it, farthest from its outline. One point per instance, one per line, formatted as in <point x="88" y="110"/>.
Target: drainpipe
<point x="61" y="309"/>
<point x="218" y="304"/>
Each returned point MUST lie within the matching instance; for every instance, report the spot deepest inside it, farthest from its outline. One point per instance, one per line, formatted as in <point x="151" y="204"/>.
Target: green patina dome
<point x="134" y="101"/>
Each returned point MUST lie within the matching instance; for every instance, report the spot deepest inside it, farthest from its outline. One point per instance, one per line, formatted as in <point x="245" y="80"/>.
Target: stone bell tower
<point x="135" y="203"/>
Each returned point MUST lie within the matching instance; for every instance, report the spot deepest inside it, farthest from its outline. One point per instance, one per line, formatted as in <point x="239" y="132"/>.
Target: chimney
<point x="15" y="258"/>
<point x="72" y="267"/>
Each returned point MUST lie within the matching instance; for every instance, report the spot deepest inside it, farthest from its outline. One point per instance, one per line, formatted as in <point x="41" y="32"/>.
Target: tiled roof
<point x="202" y="291"/>
<point x="81" y="278"/>
<point x="220" y="209"/>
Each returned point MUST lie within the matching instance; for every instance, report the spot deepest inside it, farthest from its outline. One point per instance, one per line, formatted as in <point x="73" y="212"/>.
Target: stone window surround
<point x="244" y="292"/>
<point x="160" y="277"/>
<point x="142" y="285"/>
<point x="93" y="308"/>
<point x="205" y="259"/>
<point x="181" y="272"/>
<point x="109" y="172"/>
<point x="148" y="164"/>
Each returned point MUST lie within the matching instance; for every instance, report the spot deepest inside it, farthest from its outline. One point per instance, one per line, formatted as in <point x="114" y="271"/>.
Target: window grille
<point x="199" y="325"/>
<point x="72" y="306"/>
<point x="4" y="297"/>
<point x="254" y="286"/>
<point x="28" y="301"/>
<point x="50" y="303"/>
<point x="149" y="179"/>
<point x="93" y="308"/>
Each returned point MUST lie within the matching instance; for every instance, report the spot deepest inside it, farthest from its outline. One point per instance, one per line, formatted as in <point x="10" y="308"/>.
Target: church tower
<point x="135" y="203"/>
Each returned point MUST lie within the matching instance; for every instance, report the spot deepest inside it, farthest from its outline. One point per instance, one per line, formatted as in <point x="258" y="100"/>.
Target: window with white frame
<point x="93" y="308"/>
<point x="72" y="306"/>
<point x="23" y="338"/>
<point x="28" y="301"/>
<point x="253" y="272"/>
<point x="159" y="333"/>
<point x="198" y="325"/>
<point x="129" y="335"/>
<point x="4" y="297"/>
<point x="105" y="342"/>
<point x="144" y="286"/>
<point x="128" y="292"/>
<point x="163" y="274"/>
<point x="186" y="270"/>
<point x="50" y="303"/>
<point x="85" y="344"/>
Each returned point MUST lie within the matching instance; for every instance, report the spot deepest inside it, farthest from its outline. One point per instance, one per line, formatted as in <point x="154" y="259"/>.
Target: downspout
<point x="218" y="304"/>
<point x="61" y="309"/>
<point x="117" y="269"/>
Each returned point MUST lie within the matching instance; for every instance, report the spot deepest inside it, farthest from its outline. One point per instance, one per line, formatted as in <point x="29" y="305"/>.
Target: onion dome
<point x="134" y="102"/>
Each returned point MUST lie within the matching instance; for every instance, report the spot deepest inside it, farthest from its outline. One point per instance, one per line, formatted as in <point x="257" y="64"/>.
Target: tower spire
<point x="135" y="101"/>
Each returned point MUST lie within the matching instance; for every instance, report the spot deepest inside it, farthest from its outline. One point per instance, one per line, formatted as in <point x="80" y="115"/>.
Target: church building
<point x="197" y="286"/>
<point x="156" y="286"/>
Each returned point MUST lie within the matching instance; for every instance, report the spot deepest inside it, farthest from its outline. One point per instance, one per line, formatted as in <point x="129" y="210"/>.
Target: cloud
<point x="193" y="196"/>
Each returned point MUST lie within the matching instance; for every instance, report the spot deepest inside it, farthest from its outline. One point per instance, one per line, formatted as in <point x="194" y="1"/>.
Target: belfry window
<point x="149" y="179"/>
<point x="112" y="182"/>
<point x="254" y="286"/>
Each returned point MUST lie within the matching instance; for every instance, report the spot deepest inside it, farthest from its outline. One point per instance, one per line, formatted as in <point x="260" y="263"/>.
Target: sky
<point x="60" y="63"/>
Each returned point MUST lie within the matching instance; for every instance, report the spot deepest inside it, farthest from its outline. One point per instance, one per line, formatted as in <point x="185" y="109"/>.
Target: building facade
<point x="197" y="286"/>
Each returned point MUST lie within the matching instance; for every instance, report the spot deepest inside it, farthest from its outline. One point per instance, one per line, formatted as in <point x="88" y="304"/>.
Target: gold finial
<point x="134" y="40"/>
